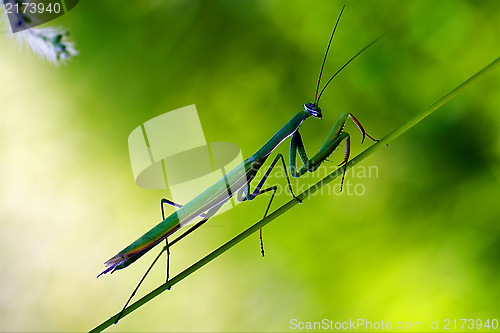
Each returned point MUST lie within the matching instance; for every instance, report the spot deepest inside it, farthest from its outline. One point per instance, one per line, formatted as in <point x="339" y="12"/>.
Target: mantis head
<point x="313" y="110"/>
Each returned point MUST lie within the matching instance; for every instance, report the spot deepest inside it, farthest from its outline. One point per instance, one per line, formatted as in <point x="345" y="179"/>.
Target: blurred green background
<point x="421" y="242"/>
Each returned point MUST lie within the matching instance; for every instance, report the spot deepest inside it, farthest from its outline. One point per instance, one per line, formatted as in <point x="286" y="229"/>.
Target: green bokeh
<point x="422" y="242"/>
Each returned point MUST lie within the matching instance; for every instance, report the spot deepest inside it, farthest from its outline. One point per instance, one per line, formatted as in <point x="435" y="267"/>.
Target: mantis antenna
<point x="347" y="63"/>
<point x="326" y="54"/>
<point x="316" y="98"/>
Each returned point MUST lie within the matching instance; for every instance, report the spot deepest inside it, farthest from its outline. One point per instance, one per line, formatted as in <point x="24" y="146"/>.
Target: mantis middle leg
<point x="244" y="193"/>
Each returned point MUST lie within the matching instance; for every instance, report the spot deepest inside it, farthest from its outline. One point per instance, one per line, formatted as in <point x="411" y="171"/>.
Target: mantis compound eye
<point x="313" y="110"/>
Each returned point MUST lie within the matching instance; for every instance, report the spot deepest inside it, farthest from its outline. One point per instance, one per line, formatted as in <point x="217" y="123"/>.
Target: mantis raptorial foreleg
<point x="331" y="143"/>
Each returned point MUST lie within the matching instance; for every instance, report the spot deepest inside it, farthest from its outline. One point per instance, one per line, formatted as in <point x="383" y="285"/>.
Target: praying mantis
<point x="237" y="181"/>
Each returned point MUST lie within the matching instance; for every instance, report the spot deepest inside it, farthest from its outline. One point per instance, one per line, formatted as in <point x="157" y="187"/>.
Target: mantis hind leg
<point x="167" y="245"/>
<point x="211" y="212"/>
<point x="171" y="203"/>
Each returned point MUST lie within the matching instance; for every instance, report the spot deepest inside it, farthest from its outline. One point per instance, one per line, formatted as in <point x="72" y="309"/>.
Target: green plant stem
<point x="304" y="195"/>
